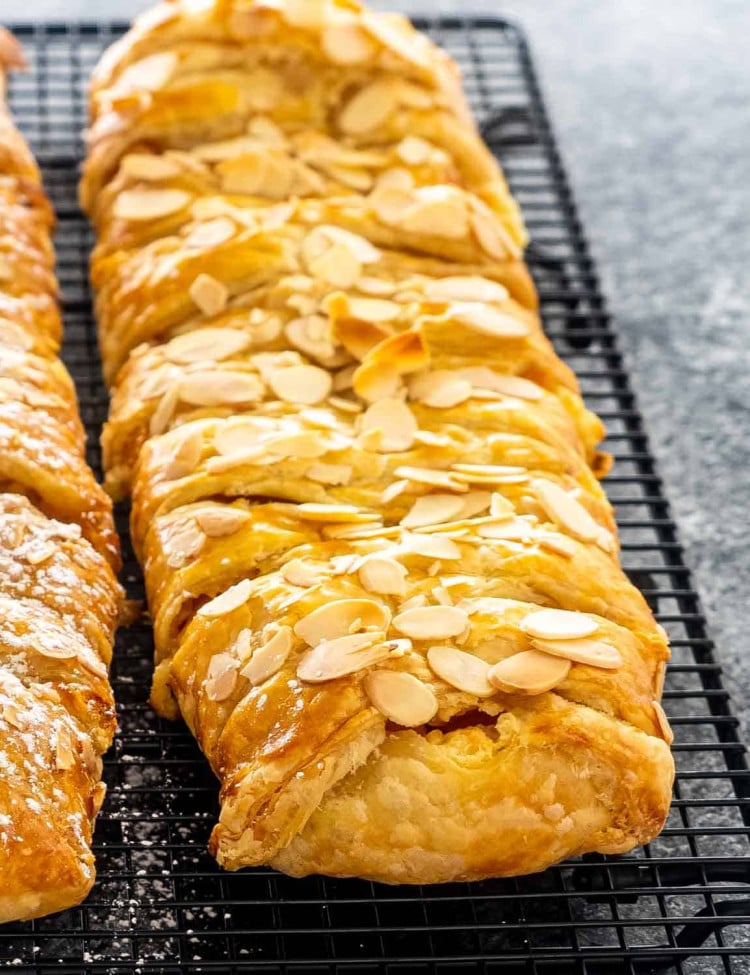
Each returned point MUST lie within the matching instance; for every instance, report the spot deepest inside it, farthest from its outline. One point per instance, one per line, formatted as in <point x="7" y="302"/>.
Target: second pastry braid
<point x="382" y="572"/>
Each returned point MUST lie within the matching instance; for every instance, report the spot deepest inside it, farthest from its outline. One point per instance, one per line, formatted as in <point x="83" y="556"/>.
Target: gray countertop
<point x="650" y="100"/>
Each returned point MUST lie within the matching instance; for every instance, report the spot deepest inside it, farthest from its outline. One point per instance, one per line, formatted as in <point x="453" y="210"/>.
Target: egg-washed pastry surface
<point x="59" y="598"/>
<point x="383" y="575"/>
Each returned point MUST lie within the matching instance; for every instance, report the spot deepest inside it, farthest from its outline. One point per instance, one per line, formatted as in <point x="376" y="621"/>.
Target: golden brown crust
<point x="59" y="598"/>
<point x="383" y="575"/>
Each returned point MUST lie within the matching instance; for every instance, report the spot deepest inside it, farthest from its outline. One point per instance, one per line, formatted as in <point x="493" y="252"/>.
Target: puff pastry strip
<point x="383" y="575"/>
<point x="59" y="598"/>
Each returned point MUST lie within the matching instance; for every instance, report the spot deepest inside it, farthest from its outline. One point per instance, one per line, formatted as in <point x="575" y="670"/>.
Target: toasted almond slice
<point x="150" y="168"/>
<point x="186" y="454"/>
<point x="374" y="309"/>
<point x="375" y="286"/>
<point x="270" y="657"/>
<point x="489" y="321"/>
<point x="663" y="721"/>
<point x="558" y="624"/>
<point x="593" y="653"/>
<point x="221" y="678"/>
<point x="336" y="266"/>
<point x="500" y="506"/>
<point x="395" y="423"/>
<point x="209" y="295"/>
<point x="217" y="522"/>
<point x="415" y="602"/>
<point x="299" y="572"/>
<point x="240" y="434"/>
<point x="148" y="74"/>
<point x="369" y="107"/>
<point x="490" y="479"/>
<point x="311" y="334"/>
<point x="54" y="651"/>
<point x="432" y="509"/>
<point x="339" y="513"/>
<point x="377" y="380"/>
<point x="206" y="345"/>
<point x="341" y="656"/>
<point x="401" y="697"/>
<point x="430" y="547"/>
<point x="461" y="670"/>
<point x="474" y="503"/>
<point x="383" y="575"/>
<point x="143" y="205"/>
<point x="488" y="470"/>
<point x="221" y="388"/>
<point x="528" y="672"/>
<point x="431" y="439"/>
<point x="393" y="491"/>
<point x="414" y="151"/>
<point x="359" y="531"/>
<point x="469" y="288"/>
<point x="309" y="443"/>
<point x="425" y="475"/>
<point x="228" y="601"/>
<point x="300" y="384"/>
<point x="559" y="544"/>
<point x="212" y="233"/>
<point x="329" y="473"/>
<point x="563" y="509"/>
<point x="183" y="541"/>
<point x="440" y="388"/>
<point x="431" y="622"/>
<point x="335" y="619"/>
<point x="509" y="529"/>
<point x="438" y="211"/>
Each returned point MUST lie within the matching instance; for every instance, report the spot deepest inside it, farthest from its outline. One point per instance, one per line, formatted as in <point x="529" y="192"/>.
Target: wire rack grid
<point x="678" y="907"/>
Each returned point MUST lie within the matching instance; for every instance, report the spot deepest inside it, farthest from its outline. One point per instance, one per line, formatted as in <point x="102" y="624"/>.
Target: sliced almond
<point x="414" y="151"/>
<point x="186" y="454"/>
<point x="300" y="384"/>
<point x="221" y="678"/>
<point x="228" y="601"/>
<point x="432" y="509"/>
<point x="393" y="491"/>
<point x="239" y="434"/>
<point x="394" y="422"/>
<point x="490" y="234"/>
<point x="528" y="672"/>
<point x="383" y="575"/>
<point x="425" y="475"/>
<point x="312" y="335"/>
<point x="55" y="651"/>
<point x="346" y="43"/>
<point x="270" y="657"/>
<point x="488" y="321"/>
<point x="592" y="653"/>
<point x="565" y="511"/>
<point x="218" y="522"/>
<point x="300" y="572"/>
<point x="461" y="670"/>
<point x="401" y="697"/>
<point x="440" y="389"/>
<point x="209" y="295"/>
<point x="336" y="619"/>
<point x="221" y="388"/>
<point x="148" y="74"/>
<point x="431" y="547"/>
<point x="206" y="345"/>
<point x="663" y="721"/>
<point x="431" y="622"/>
<point x="509" y="529"/>
<point x="438" y="211"/>
<point x="558" y="624"/>
<point x="338" y="513"/>
<point x="142" y="205"/>
<point x="559" y="544"/>
<point x="341" y="656"/>
<point x="329" y="473"/>
<point x="467" y="288"/>
<point x="369" y="107"/>
<point x="150" y="168"/>
<point x="500" y="506"/>
<point x="374" y="309"/>
<point x="183" y="540"/>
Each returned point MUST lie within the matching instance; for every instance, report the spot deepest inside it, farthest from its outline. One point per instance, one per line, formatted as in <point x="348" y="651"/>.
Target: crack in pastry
<point x="383" y="575"/>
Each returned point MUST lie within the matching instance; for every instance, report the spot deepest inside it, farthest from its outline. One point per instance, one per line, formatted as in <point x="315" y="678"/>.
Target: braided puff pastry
<point x="59" y="598"/>
<point x="383" y="574"/>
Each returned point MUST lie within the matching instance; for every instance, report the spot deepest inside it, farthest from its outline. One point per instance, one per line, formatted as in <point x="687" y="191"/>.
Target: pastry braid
<point x="383" y="575"/>
<point x="59" y="597"/>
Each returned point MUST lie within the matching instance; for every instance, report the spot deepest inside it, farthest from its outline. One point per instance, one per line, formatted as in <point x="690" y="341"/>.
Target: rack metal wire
<point x="681" y="905"/>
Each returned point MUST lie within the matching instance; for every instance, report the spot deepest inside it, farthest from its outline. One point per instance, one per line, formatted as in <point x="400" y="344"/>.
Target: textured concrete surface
<point x="650" y="100"/>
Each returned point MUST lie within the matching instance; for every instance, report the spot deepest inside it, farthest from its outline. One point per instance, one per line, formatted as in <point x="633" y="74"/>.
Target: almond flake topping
<point x="241" y="434"/>
<point x="209" y="295"/>
<point x="558" y="624"/>
<point x="401" y="697"/>
<point x="432" y="509"/>
<point x="430" y="547"/>
<point x="509" y="529"/>
<point x="394" y="422"/>
<point x="382" y="575"/>
<point x="142" y="165"/>
<point x="393" y="491"/>
<point x="206" y="345"/>
<point x="425" y="475"/>
<point x="461" y="670"/>
<point x="663" y="721"/>
<point x="346" y="43"/>
<point x="212" y="233"/>
<point x="311" y="334"/>
<point x="559" y="544"/>
<point x="440" y="389"/>
<point x="148" y="74"/>
<point x="228" y="601"/>
<point x="593" y="653"/>
<point x="56" y="652"/>
<point x="414" y="151"/>
<point x="221" y="388"/>
<point x="373" y="309"/>
<point x="563" y="509"/>
<point x="270" y="657"/>
<point x="469" y="289"/>
<point x="300" y="384"/>
<point x="298" y="572"/>
<point x="488" y="321"/>
<point x="313" y="511"/>
<point x="221" y="678"/>
<point x="528" y="672"/>
<point x="217" y="522"/>
<point x="369" y="107"/>
<point x="329" y="473"/>
<point x="186" y="454"/>
<point x="182" y="541"/>
<point x="341" y="656"/>
<point x="431" y="622"/>
<point x="142" y="205"/>
<point x="342" y="617"/>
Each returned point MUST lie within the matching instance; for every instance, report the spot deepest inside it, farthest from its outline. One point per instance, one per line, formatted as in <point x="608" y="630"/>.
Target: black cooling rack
<point x="680" y="906"/>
